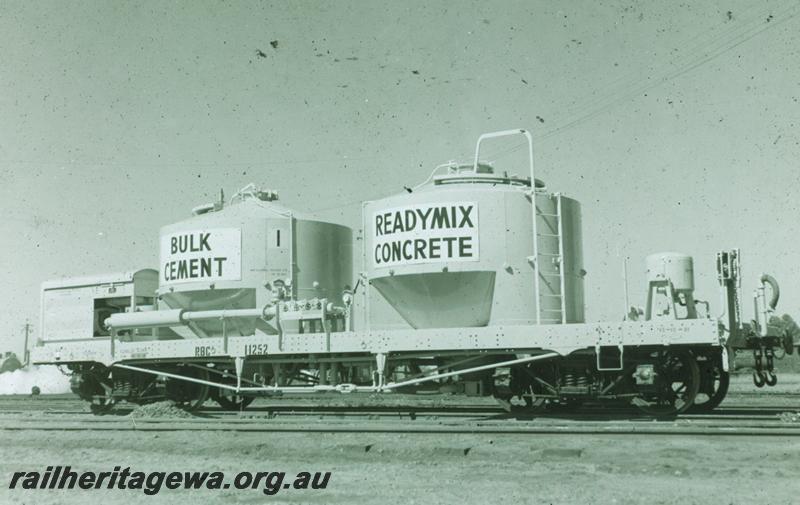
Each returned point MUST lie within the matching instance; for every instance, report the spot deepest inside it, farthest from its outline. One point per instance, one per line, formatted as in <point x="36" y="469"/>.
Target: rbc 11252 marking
<point x="255" y="349"/>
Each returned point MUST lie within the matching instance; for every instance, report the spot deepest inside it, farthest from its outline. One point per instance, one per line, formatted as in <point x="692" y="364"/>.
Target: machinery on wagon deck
<point x="486" y="267"/>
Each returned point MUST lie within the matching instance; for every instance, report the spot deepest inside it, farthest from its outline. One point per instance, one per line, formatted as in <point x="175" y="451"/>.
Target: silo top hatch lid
<point x="465" y="173"/>
<point x="243" y="202"/>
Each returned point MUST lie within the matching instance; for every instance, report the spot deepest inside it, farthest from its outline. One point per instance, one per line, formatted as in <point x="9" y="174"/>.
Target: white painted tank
<point x="672" y="266"/>
<point x="243" y="254"/>
<point x="458" y="251"/>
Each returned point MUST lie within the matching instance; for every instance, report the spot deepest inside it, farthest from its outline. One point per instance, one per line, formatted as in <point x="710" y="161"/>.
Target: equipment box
<point x="76" y="308"/>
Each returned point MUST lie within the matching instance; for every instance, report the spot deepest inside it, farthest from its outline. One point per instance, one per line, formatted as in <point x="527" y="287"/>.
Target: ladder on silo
<point x="547" y="314"/>
<point x="555" y="315"/>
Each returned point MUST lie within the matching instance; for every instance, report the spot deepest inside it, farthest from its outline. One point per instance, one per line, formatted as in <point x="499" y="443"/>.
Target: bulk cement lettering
<point x="427" y="233"/>
<point x="201" y="255"/>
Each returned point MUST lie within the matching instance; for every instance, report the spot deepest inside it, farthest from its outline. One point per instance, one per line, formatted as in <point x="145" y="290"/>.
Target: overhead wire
<point x="718" y="50"/>
<point x="687" y="47"/>
<point x="717" y="47"/>
<point x="747" y="27"/>
<point x="737" y="32"/>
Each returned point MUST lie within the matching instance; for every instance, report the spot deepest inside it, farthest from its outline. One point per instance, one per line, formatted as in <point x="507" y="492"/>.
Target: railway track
<point x="403" y="411"/>
<point x="741" y="414"/>
<point x="728" y="421"/>
<point x="656" y="429"/>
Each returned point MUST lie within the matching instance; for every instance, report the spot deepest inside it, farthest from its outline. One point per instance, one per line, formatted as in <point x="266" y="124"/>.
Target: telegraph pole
<point x="26" y="354"/>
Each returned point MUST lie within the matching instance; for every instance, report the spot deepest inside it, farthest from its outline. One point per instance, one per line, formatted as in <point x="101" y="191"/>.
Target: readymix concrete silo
<point x="462" y="249"/>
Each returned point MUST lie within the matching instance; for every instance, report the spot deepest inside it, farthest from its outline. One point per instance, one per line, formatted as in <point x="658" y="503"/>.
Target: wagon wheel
<point x="188" y="395"/>
<point x="534" y="403"/>
<point x="714" y="384"/>
<point x="230" y="400"/>
<point x="98" y="393"/>
<point x="677" y="380"/>
<point x="526" y="403"/>
<point x="100" y="404"/>
<point x="95" y="387"/>
<point x="523" y="393"/>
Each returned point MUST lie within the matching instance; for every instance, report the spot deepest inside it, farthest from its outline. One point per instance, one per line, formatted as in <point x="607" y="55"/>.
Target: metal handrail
<point x="507" y="133"/>
<point x="527" y="134"/>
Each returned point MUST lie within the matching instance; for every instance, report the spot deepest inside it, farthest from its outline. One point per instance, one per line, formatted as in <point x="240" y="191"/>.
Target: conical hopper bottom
<point x="440" y="299"/>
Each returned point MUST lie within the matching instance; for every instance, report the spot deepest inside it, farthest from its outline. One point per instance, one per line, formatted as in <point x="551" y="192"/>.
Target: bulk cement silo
<point x="459" y="250"/>
<point x="246" y="253"/>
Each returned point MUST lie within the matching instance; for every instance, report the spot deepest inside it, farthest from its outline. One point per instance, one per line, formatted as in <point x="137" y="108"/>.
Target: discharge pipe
<point x="175" y="317"/>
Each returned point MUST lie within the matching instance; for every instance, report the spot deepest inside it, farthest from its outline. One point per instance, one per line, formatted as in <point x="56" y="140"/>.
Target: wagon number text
<point x="204" y="350"/>
<point x="255" y="349"/>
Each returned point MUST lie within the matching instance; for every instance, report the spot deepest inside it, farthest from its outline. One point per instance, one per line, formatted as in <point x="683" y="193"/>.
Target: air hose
<point x="776" y="290"/>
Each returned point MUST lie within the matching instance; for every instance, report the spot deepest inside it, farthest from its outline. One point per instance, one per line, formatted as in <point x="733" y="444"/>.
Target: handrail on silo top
<point x="506" y="133"/>
<point x="535" y="233"/>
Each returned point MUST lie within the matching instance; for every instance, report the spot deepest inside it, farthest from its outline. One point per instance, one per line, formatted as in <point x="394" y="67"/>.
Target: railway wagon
<point x="252" y="298"/>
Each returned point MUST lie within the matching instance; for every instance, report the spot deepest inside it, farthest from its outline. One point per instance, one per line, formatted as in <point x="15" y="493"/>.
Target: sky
<point x="674" y="124"/>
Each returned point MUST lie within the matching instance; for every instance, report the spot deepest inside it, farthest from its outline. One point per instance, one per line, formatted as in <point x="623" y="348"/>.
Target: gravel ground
<point x="429" y="469"/>
<point x="160" y="409"/>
